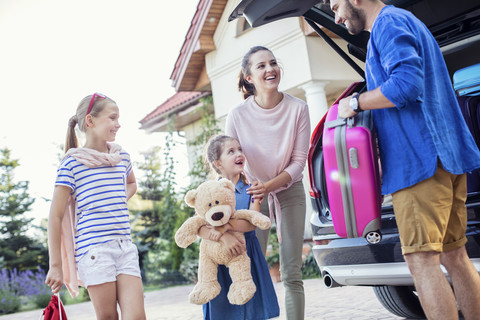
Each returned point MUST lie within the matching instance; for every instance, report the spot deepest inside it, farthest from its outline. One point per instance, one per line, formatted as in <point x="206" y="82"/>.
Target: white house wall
<point x="223" y="65"/>
<point x="191" y="131"/>
<point x="327" y="65"/>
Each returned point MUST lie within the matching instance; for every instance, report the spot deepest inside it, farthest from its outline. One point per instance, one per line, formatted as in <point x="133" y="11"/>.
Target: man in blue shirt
<point x="425" y="149"/>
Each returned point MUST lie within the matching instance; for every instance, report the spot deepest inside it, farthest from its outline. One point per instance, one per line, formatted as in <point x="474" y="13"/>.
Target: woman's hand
<point x="234" y="245"/>
<point x="257" y="190"/>
<point x="55" y="279"/>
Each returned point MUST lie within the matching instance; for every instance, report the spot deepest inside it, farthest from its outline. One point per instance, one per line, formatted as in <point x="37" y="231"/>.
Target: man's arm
<point x="368" y="100"/>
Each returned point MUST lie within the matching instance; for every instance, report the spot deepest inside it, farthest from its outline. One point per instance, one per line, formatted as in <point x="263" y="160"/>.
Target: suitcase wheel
<point x="373" y="237"/>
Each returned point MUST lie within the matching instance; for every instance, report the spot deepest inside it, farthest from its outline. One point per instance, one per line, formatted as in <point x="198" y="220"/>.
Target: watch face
<point x="354" y="103"/>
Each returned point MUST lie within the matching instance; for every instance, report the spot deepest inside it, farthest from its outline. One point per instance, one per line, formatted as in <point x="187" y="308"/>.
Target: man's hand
<point x="344" y="109"/>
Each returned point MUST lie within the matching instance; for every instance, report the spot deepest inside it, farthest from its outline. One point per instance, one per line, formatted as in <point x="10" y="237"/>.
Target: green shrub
<point x="42" y="300"/>
<point x="273" y="250"/>
<point x="172" y="278"/>
<point x="189" y="266"/>
<point x="9" y="303"/>
<point x="310" y="267"/>
<point x="83" y="295"/>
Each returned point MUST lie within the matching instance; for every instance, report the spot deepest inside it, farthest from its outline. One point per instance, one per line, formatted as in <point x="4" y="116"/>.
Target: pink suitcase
<point x="351" y="173"/>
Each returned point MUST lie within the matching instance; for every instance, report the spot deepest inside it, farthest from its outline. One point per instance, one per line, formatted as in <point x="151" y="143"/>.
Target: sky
<point x="55" y="52"/>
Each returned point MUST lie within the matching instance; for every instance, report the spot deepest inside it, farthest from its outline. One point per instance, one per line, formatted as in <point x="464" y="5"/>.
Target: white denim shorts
<point x="104" y="262"/>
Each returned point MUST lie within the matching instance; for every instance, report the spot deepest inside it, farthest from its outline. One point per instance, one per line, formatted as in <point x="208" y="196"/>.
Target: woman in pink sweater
<point x="273" y="129"/>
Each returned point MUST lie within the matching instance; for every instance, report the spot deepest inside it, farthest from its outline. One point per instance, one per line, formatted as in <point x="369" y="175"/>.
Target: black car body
<point x="456" y="27"/>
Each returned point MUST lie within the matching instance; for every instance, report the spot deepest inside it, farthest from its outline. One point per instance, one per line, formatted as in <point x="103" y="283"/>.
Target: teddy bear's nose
<point x="217" y="216"/>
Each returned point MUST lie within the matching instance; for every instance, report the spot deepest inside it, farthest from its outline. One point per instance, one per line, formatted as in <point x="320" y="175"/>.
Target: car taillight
<point x="315" y="139"/>
<point x="323" y="242"/>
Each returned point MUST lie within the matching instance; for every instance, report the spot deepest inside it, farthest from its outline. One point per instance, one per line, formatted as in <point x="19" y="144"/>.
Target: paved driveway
<point x="342" y="303"/>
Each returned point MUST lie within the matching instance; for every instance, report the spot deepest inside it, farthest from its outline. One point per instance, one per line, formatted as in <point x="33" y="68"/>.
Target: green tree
<point x="17" y="250"/>
<point x="158" y="186"/>
<point x="158" y="225"/>
<point x="199" y="173"/>
<point x="150" y="185"/>
<point x="209" y="123"/>
<point x="170" y="201"/>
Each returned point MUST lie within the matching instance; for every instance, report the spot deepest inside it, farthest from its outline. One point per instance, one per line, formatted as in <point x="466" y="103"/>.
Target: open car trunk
<point x="454" y="24"/>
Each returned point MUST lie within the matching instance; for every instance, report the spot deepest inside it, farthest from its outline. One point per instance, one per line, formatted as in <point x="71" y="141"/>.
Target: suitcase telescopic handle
<point x="350" y="122"/>
<point x="335" y="123"/>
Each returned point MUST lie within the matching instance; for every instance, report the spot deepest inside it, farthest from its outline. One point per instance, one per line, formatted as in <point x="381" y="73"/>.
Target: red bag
<point x="52" y="311"/>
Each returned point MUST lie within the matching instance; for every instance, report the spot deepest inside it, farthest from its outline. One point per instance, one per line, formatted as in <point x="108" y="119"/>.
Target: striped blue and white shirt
<point x="100" y="196"/>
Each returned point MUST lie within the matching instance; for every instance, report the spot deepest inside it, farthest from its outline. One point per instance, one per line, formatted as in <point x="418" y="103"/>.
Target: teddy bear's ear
<point x="190" y="198"/>
<point x="227" y="184"/>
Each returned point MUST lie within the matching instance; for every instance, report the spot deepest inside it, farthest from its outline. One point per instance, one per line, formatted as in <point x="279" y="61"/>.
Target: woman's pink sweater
<point x="273" y="140"/>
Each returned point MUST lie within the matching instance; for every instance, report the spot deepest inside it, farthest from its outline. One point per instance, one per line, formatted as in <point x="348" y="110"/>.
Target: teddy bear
<point x="214" y="204"/>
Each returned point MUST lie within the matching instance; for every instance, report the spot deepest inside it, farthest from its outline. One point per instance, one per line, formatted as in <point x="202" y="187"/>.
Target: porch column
<point x="317" y="107"/>
<point x="316" y="100"/>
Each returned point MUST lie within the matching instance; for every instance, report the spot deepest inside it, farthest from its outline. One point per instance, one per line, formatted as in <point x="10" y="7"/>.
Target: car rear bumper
<point x="354" y="262"/>
<point x="391" y="274"/>
<point x="388" y="274"/>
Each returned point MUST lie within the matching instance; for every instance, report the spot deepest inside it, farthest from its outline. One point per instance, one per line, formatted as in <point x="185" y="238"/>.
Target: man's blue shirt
<point x="404" y="60"/>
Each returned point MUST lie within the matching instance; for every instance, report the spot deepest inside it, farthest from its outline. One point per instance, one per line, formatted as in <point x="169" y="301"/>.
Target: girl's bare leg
<point x="130" y="297"/>
<point x="104" y="299"/>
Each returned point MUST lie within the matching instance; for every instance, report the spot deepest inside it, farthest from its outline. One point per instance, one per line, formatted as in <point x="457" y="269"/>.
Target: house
<point x="210" y="58"/>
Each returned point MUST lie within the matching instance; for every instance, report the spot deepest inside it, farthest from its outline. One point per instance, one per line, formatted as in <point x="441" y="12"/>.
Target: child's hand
<point x="228" y="226"/>
<point x="214" y="235"/>
<point x="234" y="246"/>
<point x="55" y="279"/>
<point x="257" y="190"/>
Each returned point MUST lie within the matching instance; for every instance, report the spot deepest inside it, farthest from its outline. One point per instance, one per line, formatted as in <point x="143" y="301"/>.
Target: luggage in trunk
<point x="351" y="173"/>
<point x="466" y="83"/>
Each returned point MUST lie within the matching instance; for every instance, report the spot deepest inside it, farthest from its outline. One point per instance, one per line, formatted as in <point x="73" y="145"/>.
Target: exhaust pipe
<point x="328" y="281"/>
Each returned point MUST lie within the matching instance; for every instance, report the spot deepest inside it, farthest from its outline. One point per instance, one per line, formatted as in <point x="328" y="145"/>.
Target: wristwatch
<point x="354" y="103"/>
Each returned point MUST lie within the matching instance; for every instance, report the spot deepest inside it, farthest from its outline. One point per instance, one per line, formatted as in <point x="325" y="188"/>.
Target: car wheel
<point x="401" y="301"/>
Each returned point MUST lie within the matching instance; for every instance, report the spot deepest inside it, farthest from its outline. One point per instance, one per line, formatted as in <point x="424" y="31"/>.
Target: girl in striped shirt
<point x="89" y="203"/>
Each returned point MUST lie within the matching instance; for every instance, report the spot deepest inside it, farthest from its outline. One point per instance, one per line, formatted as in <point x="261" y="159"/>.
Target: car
<point x="354" y="261"/>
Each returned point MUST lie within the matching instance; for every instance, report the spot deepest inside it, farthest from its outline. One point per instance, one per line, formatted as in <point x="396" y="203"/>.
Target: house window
<point x="242" y="26"/>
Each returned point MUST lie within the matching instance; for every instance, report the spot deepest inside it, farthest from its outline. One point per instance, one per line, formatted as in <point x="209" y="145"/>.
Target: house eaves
<point x="190" y="64"/>
<point x="182" y="104"/>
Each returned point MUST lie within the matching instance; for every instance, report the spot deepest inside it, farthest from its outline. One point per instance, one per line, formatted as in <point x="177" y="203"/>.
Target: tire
<point x="401" y="301"/>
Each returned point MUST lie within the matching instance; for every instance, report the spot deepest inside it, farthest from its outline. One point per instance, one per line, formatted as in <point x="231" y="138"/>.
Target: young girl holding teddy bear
<point x="225" y="156"/>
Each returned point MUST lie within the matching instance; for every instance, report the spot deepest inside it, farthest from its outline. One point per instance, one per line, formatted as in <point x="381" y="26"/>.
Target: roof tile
<point x="177" y="99"/>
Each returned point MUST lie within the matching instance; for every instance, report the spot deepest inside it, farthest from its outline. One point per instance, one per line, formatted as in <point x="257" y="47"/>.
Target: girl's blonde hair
<point x="79" y="118"/>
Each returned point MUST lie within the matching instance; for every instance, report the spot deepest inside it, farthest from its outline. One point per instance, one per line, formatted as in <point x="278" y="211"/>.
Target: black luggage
<point x="466" y="83"/>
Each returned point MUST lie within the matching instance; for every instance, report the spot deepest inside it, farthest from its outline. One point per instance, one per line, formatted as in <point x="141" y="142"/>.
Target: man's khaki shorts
<point x="431" y="215"/>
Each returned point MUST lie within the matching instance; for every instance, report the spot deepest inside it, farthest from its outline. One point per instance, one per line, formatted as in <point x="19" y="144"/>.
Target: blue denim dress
<point x="264" y="304"/>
